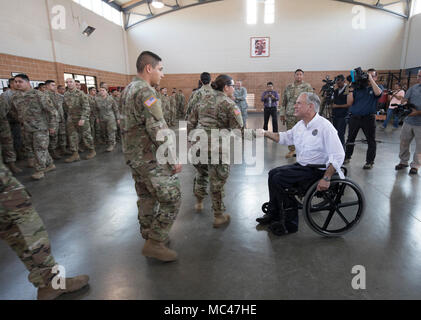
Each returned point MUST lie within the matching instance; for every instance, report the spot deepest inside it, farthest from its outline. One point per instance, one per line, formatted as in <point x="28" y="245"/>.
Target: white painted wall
<point x="26" y="33"/>
<point x="413" y="56"/>
<point x="311" y="34"/>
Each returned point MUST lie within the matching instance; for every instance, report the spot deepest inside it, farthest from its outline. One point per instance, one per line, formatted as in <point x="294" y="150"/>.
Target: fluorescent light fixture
<point x="269" y="11"/>
<point x="88" y="30"/>
<point x="157" y="4"/>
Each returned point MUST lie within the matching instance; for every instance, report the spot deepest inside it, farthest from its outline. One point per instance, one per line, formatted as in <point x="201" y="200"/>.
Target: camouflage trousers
<point x="40" y="141"/>
<point x="291" y="122"/>
<point x="28" y="148"/>
<point x="109" y="128"/>
<point x="244" y="115"/>
<point x="76" y="133"/>
<point x="159" y="199"/>
<point x="217" y="175"/>
<point x="22" y="228"/>
<point x="95" y="129"/>
<point x="58" y="138"/>
<point x="6" y="140"/>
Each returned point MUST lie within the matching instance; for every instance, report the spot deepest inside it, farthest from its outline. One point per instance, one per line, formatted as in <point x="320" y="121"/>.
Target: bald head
<point x="70" y="83"/>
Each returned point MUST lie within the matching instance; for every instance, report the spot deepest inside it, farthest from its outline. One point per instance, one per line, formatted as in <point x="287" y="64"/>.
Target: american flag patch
<point x="237" y="112"/>
<point x="150" y="102"/>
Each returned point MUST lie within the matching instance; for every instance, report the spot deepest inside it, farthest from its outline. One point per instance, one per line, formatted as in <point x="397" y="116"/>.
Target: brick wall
<point x="256" y="82"/>
<point x="44" y="70"/>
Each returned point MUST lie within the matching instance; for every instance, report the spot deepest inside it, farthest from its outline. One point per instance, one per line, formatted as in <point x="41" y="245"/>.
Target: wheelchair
<point x="330" y="213"/>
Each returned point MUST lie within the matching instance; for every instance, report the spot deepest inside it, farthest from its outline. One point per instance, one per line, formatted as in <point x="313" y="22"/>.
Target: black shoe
<point x="267" y="218"/>
<point x="413" y="171"/>
<point x="291" y="227"/>
<point x="400" y="166"/>
<point x="368" y="166"/>
<point x="278" y="228"/>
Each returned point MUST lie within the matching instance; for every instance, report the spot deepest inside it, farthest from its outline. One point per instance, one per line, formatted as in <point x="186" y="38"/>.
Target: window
<point x="103" y="9"/>
<point x="251" y="11"/>
<point x="269" y="11"/>
<point x="416" y="7"/>
<point x="85" y="81"/>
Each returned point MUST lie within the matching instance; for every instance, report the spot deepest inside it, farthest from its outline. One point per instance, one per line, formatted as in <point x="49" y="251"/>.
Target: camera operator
<point x="270" y="100"/>
<point x="396" y="97"/>
<point x="363" y="102"/>
<point x="411" y="128"/>
<point x="340" y="106"/>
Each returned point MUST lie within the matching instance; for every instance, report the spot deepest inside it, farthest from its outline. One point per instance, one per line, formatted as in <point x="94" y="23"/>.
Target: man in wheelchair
<point x="316" y="142"/>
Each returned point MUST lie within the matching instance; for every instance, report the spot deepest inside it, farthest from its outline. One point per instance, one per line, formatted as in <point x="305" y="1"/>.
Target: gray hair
<point x="313" y="98"/>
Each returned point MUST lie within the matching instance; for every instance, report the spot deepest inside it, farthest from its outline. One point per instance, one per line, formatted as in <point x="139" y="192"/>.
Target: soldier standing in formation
<point x="181" y="104"/>
<point x="205" y="88"/>
<point x="59" y="135"/>
<point x="108" y="117"/>
<point x="166" y="106"/>
<point x="95" y="128"/>
<point x="290" y="96"/>
<point x="76" y="106"/>
<point x="240" y="95"/>
<point x="40" y="119"/>
<point x="157" y="185"/>
<point x="216" y="110"/>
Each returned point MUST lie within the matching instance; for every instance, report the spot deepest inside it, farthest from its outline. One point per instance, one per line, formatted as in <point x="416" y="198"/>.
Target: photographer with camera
<point x="363" y="101"/>
<point x="270" y="100"/>
<point x="396" y="97"/>
<point x="340" y="106"/>
<point x="411" y="129"/>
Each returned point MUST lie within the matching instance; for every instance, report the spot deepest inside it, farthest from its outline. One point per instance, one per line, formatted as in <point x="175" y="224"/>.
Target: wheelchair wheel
<point x="336" y="211"/>
<point x="265" y="207"/>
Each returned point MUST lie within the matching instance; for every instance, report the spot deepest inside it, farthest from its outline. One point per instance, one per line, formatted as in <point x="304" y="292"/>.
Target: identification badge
<point x="315" y="132"/>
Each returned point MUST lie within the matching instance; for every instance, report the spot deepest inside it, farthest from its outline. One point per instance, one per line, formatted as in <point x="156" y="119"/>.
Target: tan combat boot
<point x="72" y="284"/>
<point x="145" y="235"/>
<point x="158" y="250"/>
<point x="290" y="154"/>
<point x="220" y="220"/>
<point x="38" y="175"/>
<point x="51" y="167"/>
<point x="91" y="154"/>
<point x="73" y="158"/>
<point x="12" y="166"/>
<point x="110" y="148"/>
<point x="199" y="204"/>
<point x="64" y="151"/>
<point x="31" y="163"/>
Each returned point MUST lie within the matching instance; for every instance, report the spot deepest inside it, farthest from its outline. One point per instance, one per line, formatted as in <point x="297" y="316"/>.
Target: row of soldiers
<point x="173" y="107"/>
<point x="44" y="124"/>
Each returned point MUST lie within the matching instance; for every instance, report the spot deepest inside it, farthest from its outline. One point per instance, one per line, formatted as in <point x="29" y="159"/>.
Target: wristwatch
<point x="326" y="179"/>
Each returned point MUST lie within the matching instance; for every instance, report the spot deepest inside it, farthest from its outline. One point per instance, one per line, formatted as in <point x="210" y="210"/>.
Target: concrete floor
<point x="89" y="209"/>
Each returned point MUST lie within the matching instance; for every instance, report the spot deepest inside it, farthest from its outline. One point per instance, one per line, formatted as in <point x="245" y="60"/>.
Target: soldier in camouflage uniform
<point x="61" y="128"/>
<point x="117" y="98"/>
<point x="40" y="120"/>
<point x="23" y="230"/>
<point x="166" y="105"/>
<point x="240" y="95"/>
<point x="215" y="110"/>
<point x="157" y="185"/>
<point x="181" y="103"/>
<point x="173" y="107"/>
<point x="76" y="106"/>
<point x="95" y="128"/>
<point x="205" y="79"/>
<point x="108" y="117"/>
<point x="6" y="139"/>
<point x="290" y="96"/>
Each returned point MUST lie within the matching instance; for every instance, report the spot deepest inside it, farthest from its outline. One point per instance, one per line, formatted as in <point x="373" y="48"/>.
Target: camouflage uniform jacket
<point x="290" y="96"/>
<point x="58" y="104"/>
<point x="141" y="119"/>
<point x="39" y="113"/>
<point x="92" y="106"/>
<point x="76" y="105"/>
<point x="106" y="108"/>
<point x="215" y="111"/>
<point x="16" y="107"/>
<point x="196" y="96"/>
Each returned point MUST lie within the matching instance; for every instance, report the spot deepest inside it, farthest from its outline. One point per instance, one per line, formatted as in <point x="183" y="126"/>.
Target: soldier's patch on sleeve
<point x="150" y="102"/>
<point x="237" y="112"/>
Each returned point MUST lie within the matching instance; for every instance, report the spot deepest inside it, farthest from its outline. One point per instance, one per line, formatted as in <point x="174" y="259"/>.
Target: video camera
<point x="359" y="78"/>
<point x="328" y="90"/>
<point x="403" y="110"/>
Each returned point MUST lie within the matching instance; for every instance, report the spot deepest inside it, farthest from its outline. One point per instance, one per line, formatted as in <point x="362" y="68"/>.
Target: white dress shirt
<point x="316" y="143"/>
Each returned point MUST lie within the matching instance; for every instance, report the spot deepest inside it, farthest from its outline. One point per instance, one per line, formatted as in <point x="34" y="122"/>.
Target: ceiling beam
<point x="113" y="4"/>
<point x="378" y="6"/>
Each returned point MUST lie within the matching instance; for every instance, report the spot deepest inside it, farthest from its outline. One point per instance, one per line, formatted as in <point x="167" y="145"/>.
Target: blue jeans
<point x="389" y="115"/>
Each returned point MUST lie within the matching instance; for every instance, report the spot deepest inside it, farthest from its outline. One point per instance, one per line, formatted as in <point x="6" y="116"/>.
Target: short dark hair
<point x="10" y="80"/>
<point x="221" y="81"/>
<point x="298" y="70"/>
<point x="41" y="84"/>
<point x="340" y="77"/>
<point x="77" y="81"/>
<point x="270" y="83"/>
<point x="22" y="76"/>
<point x="91" y="88"/>
<point x="372" y="70"/>
<point x="145" y="58"/>
<point x="205" y="77"/>
<point x="49" y="81"/>
<point x="60" y="86"/>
